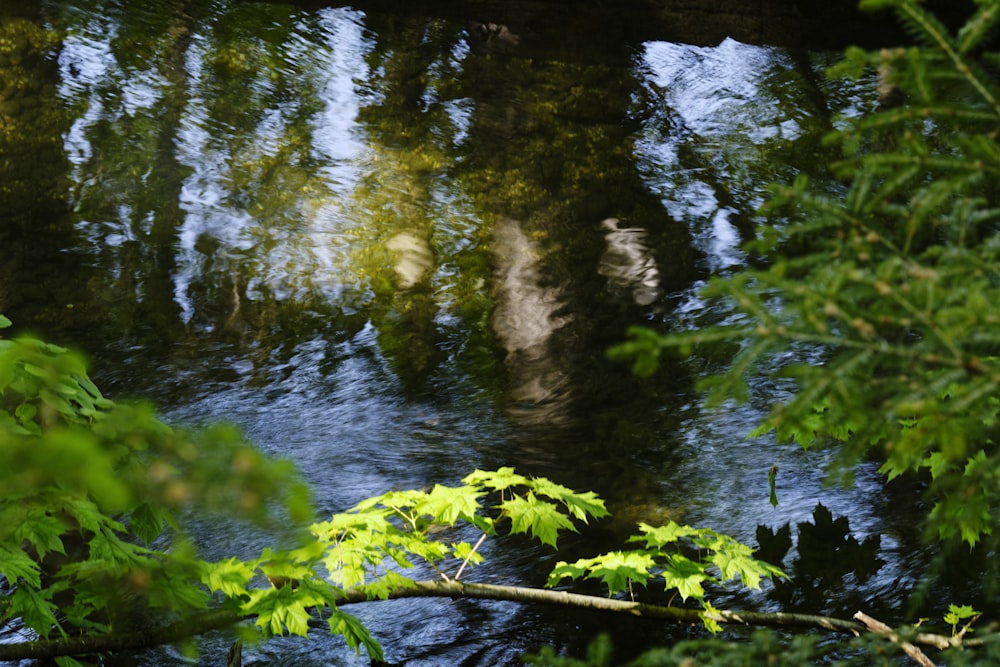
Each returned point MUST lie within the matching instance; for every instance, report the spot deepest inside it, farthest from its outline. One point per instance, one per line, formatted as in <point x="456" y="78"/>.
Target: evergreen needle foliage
<point x="880" y="296"/>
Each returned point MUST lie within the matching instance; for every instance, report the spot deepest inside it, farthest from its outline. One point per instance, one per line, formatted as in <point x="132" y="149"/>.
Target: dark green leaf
<point x="771" y="477"/>
<point x="356" y="634"/>
<point x="146" y="521"/>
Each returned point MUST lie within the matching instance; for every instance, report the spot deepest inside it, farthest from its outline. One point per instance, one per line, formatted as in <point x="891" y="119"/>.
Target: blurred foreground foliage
<point x="96" y="495"/>
<point x="765" y="647"/>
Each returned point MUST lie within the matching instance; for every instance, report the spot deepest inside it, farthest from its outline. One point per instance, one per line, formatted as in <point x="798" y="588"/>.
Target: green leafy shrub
<point x="89" y="485"/>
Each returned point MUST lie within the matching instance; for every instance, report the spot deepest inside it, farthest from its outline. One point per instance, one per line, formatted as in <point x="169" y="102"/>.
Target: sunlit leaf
<point x="449" y="504"/>
<point x="580" y="505"/>
<point x="706" y="617"/>
<point x="564" y="570"/>
<point x="498" y="480"/>
<point x="465" y="551"/>
<point x="661" y="536"/>
<point x="230" y="576"/>
<point x="387" y="584"/>
<point x="686" y="576"/>
<point x="543" y="519"/>
<point x="619" y="569"/>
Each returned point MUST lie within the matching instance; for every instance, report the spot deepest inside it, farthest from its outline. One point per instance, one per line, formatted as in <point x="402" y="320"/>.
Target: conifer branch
<point x="930" y="28"/>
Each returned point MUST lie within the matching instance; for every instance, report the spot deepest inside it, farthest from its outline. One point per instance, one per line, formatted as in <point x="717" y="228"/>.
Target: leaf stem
<point x="465" y="562"/>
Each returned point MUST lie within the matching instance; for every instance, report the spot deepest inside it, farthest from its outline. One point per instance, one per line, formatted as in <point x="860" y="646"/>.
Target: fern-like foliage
<point x="881" y="294"/>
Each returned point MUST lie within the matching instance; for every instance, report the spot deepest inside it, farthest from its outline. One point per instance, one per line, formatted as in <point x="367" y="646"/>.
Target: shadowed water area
<point x="394" y="248"/>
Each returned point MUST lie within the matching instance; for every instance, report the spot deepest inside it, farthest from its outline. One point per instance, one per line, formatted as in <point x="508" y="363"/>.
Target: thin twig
<point x="458" y="575"/>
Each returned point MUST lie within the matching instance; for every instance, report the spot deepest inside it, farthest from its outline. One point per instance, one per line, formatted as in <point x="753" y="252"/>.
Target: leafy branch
<point x="720" y="559"/>
<point x="878" y="297"/>
<point x="98" y="482"/>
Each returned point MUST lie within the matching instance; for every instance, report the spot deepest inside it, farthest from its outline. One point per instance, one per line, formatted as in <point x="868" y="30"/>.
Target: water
<point x="394" y="250"/>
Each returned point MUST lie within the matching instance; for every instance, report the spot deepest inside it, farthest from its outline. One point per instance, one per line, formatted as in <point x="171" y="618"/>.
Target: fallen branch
<point x="220" y="618"/>
<point x="909" y="649"/>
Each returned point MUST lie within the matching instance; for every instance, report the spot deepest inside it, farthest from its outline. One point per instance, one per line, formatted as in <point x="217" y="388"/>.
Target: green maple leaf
<point x="938" y="464"/>
<point x="105" y="545"/>
<point x="295" y="617"/>
<point x="686" y="576"/>
<point x="580" y="505"/>
<point x="374" y="520"/>
<point x="957" y="613"/>
<point x="710" y="623"/>
<point x="731" y="565"/>
<point x="146" y="521"/>
<point x="88" y="515"/>
<point x="540" y="517"/>
<point x="282" y="566"/>
<point x="449" y="504"/>
<point x="543" y="486"/>
<point x="347" y="563"/>
<point x="278" y="609"/>
<point x="42" y="530"/>
<point x="392" y="499"/>
<point x="465" y="551"/>
<point x="174" y="590"/>
<point x="316" y="592"/>
<point x="657" y="537"/>
<point x="32" y="607"/>
<point x="498" y="480"/>
<point x="564" y="569"/>
<point x="355" y="633"/>
<point x="262" y="603"/>
<point x="386" y="585"/>
<point x="418" y="545"/>
<point x="618" y="569"/>
<point x="15" y="564"/>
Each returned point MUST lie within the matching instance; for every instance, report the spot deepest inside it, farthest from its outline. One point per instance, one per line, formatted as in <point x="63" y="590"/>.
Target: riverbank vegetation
<point x="875" y="302"/>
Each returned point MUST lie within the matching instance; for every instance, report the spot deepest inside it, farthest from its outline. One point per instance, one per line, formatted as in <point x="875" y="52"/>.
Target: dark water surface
<point x="395" y="248"/>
